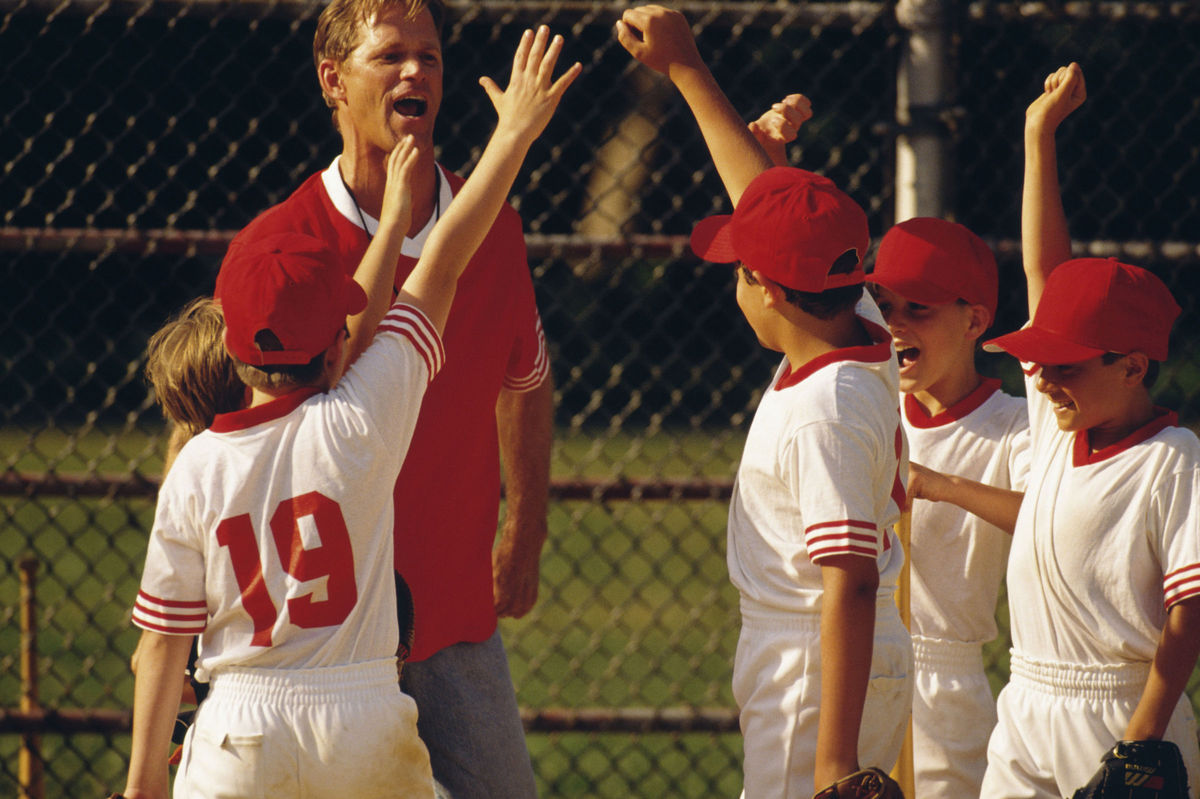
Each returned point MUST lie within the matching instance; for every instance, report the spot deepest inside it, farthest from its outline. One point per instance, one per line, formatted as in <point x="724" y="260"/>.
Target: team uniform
<point x="820" y="476"/>
<point x="448" y="493"/>
<point x="271" y="541"/>
<point x="1105" y="543"/>
<point x="957" y="564"/>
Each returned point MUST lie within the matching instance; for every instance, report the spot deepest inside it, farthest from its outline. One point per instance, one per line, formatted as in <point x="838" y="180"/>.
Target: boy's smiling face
<point x="933" y="342"/>
<point x="1092" y="395"/>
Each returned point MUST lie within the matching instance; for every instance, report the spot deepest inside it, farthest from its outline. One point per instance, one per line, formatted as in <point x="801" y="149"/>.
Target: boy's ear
<point x="980" y="320"/>
<point x="772" y="291"/>
<point x="1136" y="364"/>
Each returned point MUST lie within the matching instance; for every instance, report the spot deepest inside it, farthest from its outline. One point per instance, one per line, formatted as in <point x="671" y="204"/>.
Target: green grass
<point x="635" y="610"/>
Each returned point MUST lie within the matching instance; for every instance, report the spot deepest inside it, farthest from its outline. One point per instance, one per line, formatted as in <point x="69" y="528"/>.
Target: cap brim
<point x="1034" y="345"/>
<point x="918" y="291"/>
<point x="711" y="239"/>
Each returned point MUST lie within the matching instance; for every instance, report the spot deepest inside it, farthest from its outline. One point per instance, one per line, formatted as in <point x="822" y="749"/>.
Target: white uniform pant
<point x="339" y="731"/>
<point x="1056" y="720"/>
<point x="953" y="716"/>
<point x="777" y="685"/>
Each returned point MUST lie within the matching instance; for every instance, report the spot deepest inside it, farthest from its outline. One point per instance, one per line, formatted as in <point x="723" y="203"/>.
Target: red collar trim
<point x="919" y="418"/>
<point x="275" y="409"/>
<point x="1083" y="455"/>
<point x="878" y="352"/>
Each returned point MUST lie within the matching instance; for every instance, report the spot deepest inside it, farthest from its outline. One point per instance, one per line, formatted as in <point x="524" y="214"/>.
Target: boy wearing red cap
<point x="936" y="284"/>
<point x="273" y="532"/>
<point x="822" y="674"/>
<point x="1104" y="574"/>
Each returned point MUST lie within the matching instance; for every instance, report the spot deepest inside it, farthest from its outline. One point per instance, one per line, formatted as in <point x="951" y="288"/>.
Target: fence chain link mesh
<point x="138" y="135"/>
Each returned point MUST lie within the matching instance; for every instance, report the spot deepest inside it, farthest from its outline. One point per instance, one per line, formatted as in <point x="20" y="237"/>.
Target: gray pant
<point x="469" y="721"/>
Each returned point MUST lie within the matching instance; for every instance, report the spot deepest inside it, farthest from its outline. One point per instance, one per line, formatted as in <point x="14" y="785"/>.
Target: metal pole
<point x="922" y="95"/>
<point x="30" y="781"/>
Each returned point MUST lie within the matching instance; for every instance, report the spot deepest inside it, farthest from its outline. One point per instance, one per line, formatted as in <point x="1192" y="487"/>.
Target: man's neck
<point x="364" y="171"/>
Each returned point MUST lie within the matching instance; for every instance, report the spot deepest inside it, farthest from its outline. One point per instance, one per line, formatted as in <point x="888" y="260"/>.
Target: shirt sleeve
<point x="833" y="474"/>
<point x="1019" y="456"/>
<point x="389" y="380"/>
<point x="528" y="363"/>
<point x="171" y="597"/>
<point x="1178" y="521"/>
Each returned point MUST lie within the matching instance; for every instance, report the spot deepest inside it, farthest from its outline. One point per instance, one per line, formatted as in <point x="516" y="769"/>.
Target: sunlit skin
<point x="751" y="299"/>
<point x="935" y="345"/>
<point x="389" y="86"/>
<point x="1108" y="400"/>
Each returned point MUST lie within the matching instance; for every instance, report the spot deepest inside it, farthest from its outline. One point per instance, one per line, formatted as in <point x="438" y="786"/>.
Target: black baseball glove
<point x="867" y="783"/>
<point x="1139" y="770"/>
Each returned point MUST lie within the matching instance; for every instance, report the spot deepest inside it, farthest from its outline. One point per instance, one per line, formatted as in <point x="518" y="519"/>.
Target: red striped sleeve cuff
<point x="170" y="616"/>
<point x="1181" y="584"/>
<point x="541" y="365"/>
<point x="411" y="323"/>
<point x="843" y="537"/>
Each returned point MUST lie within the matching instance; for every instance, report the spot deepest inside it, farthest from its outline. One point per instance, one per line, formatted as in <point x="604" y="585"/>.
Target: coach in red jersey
<point x="380" y="69"/>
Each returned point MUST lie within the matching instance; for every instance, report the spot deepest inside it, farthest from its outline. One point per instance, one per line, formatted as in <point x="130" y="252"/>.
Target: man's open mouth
<point x="411" y="107"/>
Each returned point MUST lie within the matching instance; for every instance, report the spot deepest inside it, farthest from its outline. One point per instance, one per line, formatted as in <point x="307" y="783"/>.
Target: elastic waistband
<point x="1085" y="681"/>
<point x="297" y="686"/>
<point x="939" y="653"/>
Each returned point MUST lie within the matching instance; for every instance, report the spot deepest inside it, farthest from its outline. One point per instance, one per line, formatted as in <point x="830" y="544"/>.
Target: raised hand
<point x="396" y="213"/>
<point x="1064" y="90"/>
<point x="529" y="101"/>
<point x="778" y="127"/>
<point x="658" y="37"/>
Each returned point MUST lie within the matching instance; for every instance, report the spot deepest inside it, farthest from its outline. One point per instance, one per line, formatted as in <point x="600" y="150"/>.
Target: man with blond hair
<point x="380" y="70"/>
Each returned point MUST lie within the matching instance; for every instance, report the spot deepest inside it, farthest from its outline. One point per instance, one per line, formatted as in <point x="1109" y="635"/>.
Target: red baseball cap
<point x="792" y="226"/>
<point x="288" y="284"/>
<point x="1091" y="306"/>
<point x="933" y="262"/>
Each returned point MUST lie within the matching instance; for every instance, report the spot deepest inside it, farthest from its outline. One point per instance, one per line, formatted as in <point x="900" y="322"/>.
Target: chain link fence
<point x="137" y="136"/>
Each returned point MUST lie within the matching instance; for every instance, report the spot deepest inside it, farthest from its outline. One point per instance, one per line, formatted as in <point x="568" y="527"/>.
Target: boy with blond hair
<point x="272" y="537"/>
<point x="822" y="674"/>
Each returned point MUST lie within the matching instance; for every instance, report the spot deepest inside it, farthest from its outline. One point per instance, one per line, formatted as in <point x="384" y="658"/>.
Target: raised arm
<point x="661" y="39"/>
<point x="1045" y="240"/>
<point x="778" y="126"/>
<point x="524" y="108"/>
<point x="377" y="269"/>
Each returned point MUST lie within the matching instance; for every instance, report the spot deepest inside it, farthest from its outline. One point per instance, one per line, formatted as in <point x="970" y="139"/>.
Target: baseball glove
<point x="867" y="783"/>
<point x="1139" y="770"/>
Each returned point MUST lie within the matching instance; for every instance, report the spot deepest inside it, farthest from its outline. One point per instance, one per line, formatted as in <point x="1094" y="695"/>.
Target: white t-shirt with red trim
<point x="958" y="559"/>
<point x="822" y="474"/>
<point x="1105" y="542"/>
<point x="272" y="537"/>
<point x="447" y="498"/>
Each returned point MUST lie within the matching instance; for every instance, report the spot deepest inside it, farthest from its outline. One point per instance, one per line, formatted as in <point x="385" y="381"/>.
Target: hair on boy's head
<point x="1093" y="306"/>
<point x="285" y="299"/>
<point x="794" y="227"/>
<point x="934" y="262"/>
<point x="194" y="378"/>
<point x="339" y="28"/>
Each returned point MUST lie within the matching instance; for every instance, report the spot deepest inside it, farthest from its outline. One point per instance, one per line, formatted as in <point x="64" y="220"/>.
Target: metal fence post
<point x="922" y="95"/>
<point x="30" y="779"/>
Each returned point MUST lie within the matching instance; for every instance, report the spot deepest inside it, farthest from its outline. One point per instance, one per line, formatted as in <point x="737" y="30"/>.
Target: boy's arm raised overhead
<point x="524" y="109"/>
<point x="1045" y="240"/>
<point x="779" y="125"/>
<point x="377" y="269"/>
<point x="661" y="39"/>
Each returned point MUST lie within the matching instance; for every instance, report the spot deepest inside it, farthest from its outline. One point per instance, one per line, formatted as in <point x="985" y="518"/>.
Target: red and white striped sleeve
<point x="410" y="322"/>
<point x="529" y="363"/>
<point x="843" y="537"/>
<point x="173" y="617"/>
